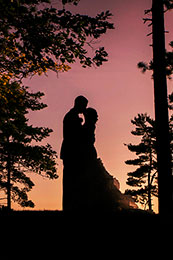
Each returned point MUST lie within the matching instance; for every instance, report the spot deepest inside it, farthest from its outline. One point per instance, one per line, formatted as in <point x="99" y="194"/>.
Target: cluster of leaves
<point x="35" y="39"/>
<point x="168" y="4"/>
<point x="16" y="137"/>
<point x="169" y="63"/>
<point x="75" y="2"/>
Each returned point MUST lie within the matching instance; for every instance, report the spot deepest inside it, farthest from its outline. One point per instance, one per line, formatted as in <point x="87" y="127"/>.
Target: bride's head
<point x="91" y="115"/>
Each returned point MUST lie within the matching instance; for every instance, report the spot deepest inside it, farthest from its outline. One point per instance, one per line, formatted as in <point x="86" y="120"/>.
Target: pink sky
<point x="118" y="90"/>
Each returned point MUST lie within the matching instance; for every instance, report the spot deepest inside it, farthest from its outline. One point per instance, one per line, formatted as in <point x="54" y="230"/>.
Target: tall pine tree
<point x="159" y="67"/>
<point x="144" y="178"/>
<point x="20" y="155"/>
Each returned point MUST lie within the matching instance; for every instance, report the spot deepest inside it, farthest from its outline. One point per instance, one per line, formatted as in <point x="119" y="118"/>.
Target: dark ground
<point x="57" y="230"/>
<point x="133" y="213"/>
<point x="48" y="218"/>
<point x="55" y="216"/>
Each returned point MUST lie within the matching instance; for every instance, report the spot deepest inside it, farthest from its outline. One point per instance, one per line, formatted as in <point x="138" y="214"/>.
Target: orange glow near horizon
<point x="117" y="90"/>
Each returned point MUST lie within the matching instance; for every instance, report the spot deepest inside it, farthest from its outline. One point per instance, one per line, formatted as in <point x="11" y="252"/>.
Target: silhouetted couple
<point x="86" y="183"/>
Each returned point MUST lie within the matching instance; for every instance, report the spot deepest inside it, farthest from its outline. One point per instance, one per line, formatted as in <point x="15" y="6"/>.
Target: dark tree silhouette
<point x="161" y="110"/>
<point x="144" y="178"/>
<point x="19" y="156"/>
<point x="171" y="126"/>
<point x="75" y="2"/>
<point x="162" y="67"/>
<point x="37" y="37"/>
<point x="144" y="66"/>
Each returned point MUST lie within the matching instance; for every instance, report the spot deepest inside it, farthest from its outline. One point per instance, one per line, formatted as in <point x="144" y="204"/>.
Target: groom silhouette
<point x="71" y="151"/>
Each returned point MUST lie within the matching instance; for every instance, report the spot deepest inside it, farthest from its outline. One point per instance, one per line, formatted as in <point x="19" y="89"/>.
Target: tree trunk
<point x="161" y="110"/>
<point x="8" y="183"/>
<point x="149" y="179"/>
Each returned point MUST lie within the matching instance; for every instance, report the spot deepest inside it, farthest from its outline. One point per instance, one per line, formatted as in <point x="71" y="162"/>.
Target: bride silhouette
<point x="98" y="189"/>
<point x="87" y="185"/>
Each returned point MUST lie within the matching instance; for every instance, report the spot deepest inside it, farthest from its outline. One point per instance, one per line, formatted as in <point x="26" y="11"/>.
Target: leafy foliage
<point x="17" y="150"/>
<point x="34" y="38"/>
<point x="169" y="63"/>
<point x="168" y="4"/>
<point x="75" y="2"/>
<point x="144" y="178"/>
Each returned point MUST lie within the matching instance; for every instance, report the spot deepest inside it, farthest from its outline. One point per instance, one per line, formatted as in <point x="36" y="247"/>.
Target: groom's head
<point x="80" y="104"/>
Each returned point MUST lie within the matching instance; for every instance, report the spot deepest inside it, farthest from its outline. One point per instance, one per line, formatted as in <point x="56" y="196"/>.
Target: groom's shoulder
<point x="70" y="114"/>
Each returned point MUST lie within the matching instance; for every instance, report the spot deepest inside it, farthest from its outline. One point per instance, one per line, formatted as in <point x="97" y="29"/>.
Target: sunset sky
<point x="117" y="90"/>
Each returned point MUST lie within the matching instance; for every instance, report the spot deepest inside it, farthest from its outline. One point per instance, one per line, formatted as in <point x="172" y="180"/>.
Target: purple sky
<point x="117" y="90"/>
